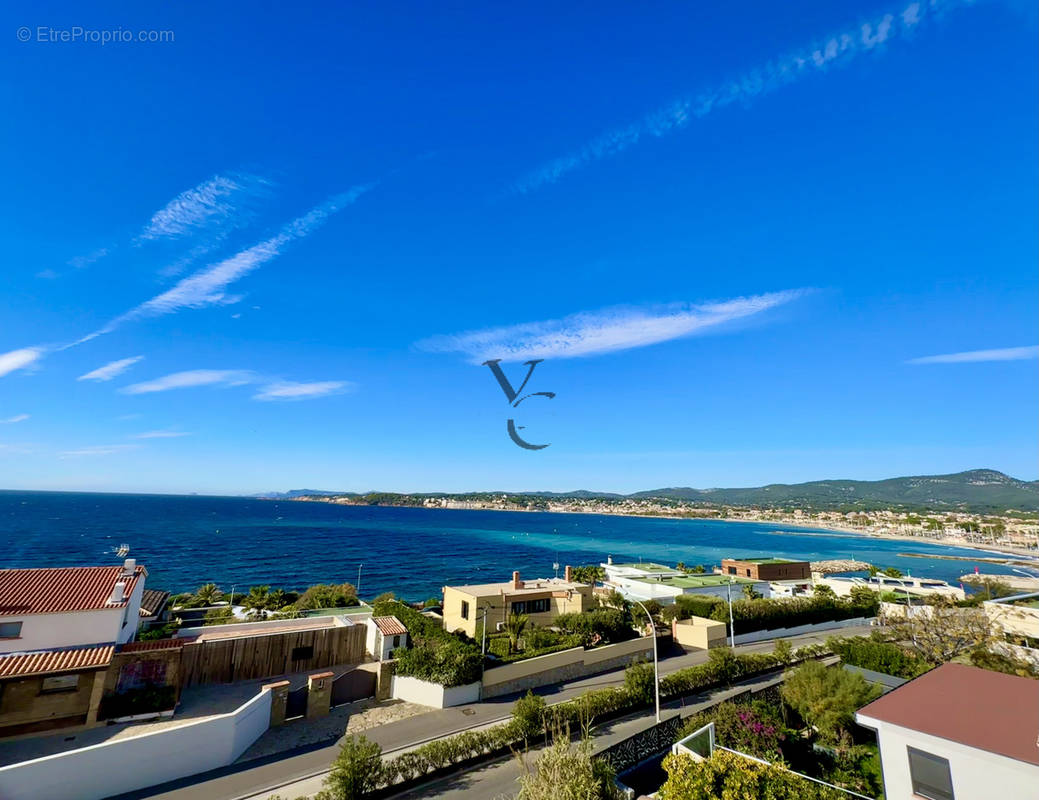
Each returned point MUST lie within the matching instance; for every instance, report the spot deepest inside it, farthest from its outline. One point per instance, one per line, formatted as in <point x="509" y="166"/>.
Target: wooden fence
<point x="251" y="657"/>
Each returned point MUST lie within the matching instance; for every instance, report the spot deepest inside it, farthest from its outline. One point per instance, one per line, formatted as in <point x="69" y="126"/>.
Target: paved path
<point x="263" y="777"/>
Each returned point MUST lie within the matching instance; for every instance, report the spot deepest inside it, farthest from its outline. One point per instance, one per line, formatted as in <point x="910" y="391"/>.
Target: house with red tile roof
<point x="59" y="630"/>
<point x="384" y="635"/>
<point x="958" y="732"/>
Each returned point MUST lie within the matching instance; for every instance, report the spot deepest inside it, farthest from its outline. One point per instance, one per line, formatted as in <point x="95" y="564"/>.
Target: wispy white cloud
<point x="98" y="450"/>
<point x="192" y="378"/>
<point x="973" y="356"/>
<point x="218" y="201"/>
<point x="22" y="358"/>
<point x="605" y="331"/>
<point x="290" y="390"/>
<point x="161" y="435"/>
<point x="15" y="418"/>
<point x="110" y="370"/>
<point x="79" y="262"/>
<point x="209" y="285"/>
<point x="837" y="49"/>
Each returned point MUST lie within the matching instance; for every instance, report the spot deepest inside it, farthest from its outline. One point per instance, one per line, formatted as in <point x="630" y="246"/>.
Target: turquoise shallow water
<point x="187" y="541"/>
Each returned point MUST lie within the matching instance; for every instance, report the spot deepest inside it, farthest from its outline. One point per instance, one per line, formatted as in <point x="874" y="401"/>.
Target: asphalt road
<point x="266" y="776"/>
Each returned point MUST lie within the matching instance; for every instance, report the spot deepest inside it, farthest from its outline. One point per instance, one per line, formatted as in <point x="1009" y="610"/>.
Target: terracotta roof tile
<point x="17" y="665"/>
<point x="52" y="590"/>
<point x="976" y="707"/>
<point x="389" y="626"/>
<point x="155" y="644"/>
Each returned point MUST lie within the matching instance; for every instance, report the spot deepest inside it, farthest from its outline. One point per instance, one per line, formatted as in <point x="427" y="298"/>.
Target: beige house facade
<point x="541" y="600"/>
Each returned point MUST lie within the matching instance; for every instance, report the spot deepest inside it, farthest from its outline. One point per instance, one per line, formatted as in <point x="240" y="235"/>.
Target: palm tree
<point x="750" y="592"/>
<point x="207" y="595"/>
<point x="515" y="625"/>
<point x="258" y="599"/>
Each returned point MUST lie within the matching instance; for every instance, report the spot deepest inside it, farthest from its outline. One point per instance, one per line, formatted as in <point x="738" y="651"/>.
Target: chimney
<point x="129" y="566"/>
<point x="516" y="582"/>
<point x="118" y="593"/>
<point x="569" y="574"/>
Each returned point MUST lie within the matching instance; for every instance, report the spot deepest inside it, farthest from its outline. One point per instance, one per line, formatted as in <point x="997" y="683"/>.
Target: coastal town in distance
<point x="530" y="401"/>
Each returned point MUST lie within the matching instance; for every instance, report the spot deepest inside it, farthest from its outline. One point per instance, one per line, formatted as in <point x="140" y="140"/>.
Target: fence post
<point x="279" y="700"/>
<point x="319" y="694"/>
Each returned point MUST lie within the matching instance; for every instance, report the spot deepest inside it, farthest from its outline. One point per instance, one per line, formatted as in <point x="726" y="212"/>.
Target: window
<point x="732" y="570"/>
<point x="59" y="683"/>
<point x="465" y="610"/>
<point x="302" y="653"/>
<point x="930" y="774"/>
<point x="531" y="606"/>
<point x="10" y="630"/>
<point x="748" y="573"/>
<point x="396" y="642"/>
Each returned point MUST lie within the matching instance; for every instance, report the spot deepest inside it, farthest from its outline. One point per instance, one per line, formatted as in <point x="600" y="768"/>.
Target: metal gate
<point x="354" y="685"/>
<point x="296" y="704"/>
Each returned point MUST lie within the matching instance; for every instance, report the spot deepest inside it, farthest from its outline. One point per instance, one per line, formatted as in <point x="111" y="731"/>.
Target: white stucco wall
<point x="975" y="773"/>
<point x="125" y="765"/>
<point x="664" y="592"/>
<point x="74" y="628"/>
<point x="424" y="693"/>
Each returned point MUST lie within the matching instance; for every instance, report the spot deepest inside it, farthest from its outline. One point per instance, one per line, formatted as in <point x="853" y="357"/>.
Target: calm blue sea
<point x="187" y="541"/>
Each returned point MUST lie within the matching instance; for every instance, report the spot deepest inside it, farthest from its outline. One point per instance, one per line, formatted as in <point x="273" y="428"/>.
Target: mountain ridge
<point x="976" y="490"/>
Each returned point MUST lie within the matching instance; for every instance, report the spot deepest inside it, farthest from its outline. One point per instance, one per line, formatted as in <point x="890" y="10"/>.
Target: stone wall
<point x="563" y="666"/>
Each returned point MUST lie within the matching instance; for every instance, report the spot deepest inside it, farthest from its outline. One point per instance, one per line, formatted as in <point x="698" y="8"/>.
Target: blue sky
<point x="753" y="243"/>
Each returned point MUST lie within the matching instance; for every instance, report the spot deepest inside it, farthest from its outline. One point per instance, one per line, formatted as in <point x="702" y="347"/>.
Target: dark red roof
<point x="976" y="707"/>
<point x="48" y="591"/>
<point x="19" y="665"/>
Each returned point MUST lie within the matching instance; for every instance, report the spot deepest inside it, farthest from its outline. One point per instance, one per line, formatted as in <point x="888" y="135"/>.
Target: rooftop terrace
<point x="696" y="581"/>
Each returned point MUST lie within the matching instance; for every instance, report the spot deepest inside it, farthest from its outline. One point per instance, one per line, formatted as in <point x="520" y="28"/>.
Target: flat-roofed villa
<point x="541" y="600"/>
<point x="957" y="733"/>
<point x="915" y="587"/>
<point x="767" y="568"/>
<point x="649" y="581"/>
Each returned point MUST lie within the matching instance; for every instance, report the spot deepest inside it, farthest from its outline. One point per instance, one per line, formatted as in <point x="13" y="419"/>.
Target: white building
<point x="649" y="581"/>
<point x="916" y="587"/>
<point x="48" y="609"/>
<point x="385" y="634"/>
<point x="958" y="733"/>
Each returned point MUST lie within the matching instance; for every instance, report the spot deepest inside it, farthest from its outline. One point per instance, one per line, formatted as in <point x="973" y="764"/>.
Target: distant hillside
<point x="977" y="490"/>
<point x="292" y="494"/>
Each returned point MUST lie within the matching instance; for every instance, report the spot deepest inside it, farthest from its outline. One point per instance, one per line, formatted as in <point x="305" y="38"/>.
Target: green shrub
<point x="357" y="770"/>
<point x="826" y="697"/>
<point x="770" y="613"/>
<point x="880" y="656"/>
<point x="726" y="775"/>
<point x="447" y="662"/>
<point x="529" y="714"/>
<point x="697" y="605"/>
<point x="755" y="727"/>
<point x="599" y="626"/>
<point x="639" y="681"/>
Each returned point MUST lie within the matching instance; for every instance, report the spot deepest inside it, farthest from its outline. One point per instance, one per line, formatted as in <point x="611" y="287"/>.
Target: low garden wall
<point x="563" y="666"/>
<point x="137" y="762"/>
<point x="425" y="693"/>
<point x="778" y="633"/>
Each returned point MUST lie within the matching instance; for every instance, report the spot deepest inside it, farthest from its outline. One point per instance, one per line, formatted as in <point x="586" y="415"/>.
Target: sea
<point x="186" y="541"/>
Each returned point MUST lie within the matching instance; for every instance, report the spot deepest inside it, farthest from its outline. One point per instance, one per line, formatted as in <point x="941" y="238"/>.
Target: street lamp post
<point x="732" y="627"/>
<point x="230" y="603"/>
<point x="483" y="646"/>
<point x="656" y="668"/>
